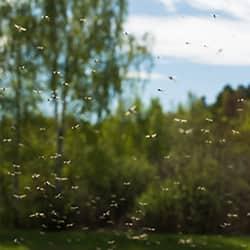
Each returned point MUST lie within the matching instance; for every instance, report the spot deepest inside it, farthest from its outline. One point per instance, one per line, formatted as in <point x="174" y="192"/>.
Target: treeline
<point x="140" y="168"/>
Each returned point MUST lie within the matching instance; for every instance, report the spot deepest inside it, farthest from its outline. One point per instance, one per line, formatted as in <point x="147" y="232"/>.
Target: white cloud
<point x="143" y="75"/>
<point x="171" y="34"/>
<point x="170" y="4"/>
<point x="236" y="8"/>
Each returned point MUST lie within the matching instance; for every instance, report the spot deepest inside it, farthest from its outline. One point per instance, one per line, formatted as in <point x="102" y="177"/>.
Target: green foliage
<point x="135" y="166"/>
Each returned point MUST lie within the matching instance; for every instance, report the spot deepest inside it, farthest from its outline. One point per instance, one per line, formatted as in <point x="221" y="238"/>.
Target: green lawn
<point x="99" y="241"/>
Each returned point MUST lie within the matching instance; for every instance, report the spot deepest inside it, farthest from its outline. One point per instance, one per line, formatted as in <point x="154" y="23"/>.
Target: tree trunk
<point x="17" y="160"/>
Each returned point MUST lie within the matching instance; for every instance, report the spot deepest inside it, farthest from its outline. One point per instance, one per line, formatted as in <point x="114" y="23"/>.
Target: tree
<point x="85" y="56"/>
<point x="18" y="77"/>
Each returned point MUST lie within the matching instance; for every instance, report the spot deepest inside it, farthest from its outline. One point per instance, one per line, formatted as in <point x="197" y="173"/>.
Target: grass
<point x="30" y="240"/>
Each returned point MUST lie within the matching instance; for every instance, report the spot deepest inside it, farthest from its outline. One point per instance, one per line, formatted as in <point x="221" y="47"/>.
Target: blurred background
<point x="125" y="115"/>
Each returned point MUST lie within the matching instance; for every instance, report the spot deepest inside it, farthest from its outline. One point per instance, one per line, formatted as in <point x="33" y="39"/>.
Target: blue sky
<point x="203" y="53"/>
